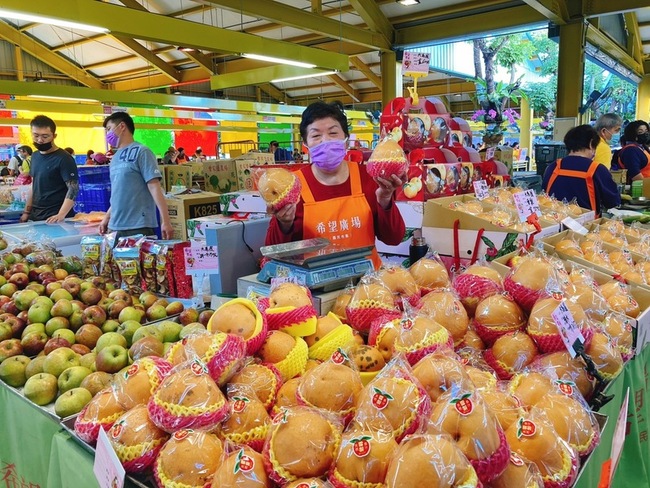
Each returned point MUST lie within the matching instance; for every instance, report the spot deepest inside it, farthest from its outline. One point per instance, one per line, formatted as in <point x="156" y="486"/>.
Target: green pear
<point x="72" y="378"/>
<point x="12" y="370"/>
<point x="41" y="388"/>
<point x="170" y="330"/>
<point x="147" y="330"/>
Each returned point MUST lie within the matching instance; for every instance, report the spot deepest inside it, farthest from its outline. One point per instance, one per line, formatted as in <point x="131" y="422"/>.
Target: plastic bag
<point x="444" y="306"/>
<point x="241" y="467"/>
<point x="248" y="422"/>
<point x="278" y="187"/>
<point x="128" y="260"/>
<point x="387" y="159"/>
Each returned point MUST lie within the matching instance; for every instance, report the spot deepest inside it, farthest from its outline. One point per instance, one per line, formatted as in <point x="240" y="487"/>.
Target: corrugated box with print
<point x="183" y="207"/>
<point x="178" y="175"/>
<point x="220" y="175"/>
<point x="243" y="165"/>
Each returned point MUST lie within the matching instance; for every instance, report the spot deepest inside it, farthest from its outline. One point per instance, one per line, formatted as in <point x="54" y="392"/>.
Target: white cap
<point x="18" y="146"/>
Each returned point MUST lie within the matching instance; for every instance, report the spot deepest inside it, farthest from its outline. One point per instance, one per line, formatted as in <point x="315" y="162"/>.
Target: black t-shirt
<point x="50" y="172"/>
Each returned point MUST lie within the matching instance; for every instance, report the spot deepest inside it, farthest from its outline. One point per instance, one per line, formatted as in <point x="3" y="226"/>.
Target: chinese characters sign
<point x="481" y="189"/>
<point x="527" y="204"/>
<point x="338" y="229"/>
<point x="201" y="259"/>
<point x="567" y="327"/>
<point x="415" y="62"/>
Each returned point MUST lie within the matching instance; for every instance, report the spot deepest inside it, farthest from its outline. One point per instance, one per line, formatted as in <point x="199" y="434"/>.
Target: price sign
<point x="567" y="327"/>
<point x="527" y="204"/>
<point x="107" y="467"/>
<point x="489" y="153"/>
<point x="619" y="434"/>
<point x="201" y="259"/>
<point x="413" y="62"/>
<point x="481" y="189"/>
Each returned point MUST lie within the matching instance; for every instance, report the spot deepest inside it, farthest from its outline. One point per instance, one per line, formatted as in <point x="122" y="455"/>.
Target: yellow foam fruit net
<point x="337" y="338"/>
<point x="439" y="337"/>
<point x="295" y="362"/>
<point x="354" y="483"/>
<point x="259" y="320"/>
<point x="130" y="453"/>
<point x="182" y="411"/>
<point x="254" y="434"/>
<point x="168" y="482"/>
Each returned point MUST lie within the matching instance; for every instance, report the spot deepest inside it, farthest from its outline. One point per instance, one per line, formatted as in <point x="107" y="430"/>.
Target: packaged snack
<point x="91" y="252"/>
<point x="182" y="281"/>
<point x="109" y="268"/>
<point x="164" y="278"/>
<point x="148" y="252"/>
<point x="128" y="260"/>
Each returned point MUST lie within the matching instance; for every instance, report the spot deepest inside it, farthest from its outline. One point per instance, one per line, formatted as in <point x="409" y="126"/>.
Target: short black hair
<point x="43" y="121"/>
<point x="273" y="143"/>
<point x="26" y="149"/>
<point x="321" y="110"/>
<point x="119" y="117"/>
<point x="90" y="152"/>
<point x="629" y="134"/>
<point x="581" y="137"/>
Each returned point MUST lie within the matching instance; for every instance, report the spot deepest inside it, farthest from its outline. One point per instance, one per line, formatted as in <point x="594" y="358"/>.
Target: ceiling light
<point x="292" y="78"/>
<point x="7" y="14"/>
<point x="408" y="2"/>
<point x="186" y="49"/>
<point x="271" y="59"/>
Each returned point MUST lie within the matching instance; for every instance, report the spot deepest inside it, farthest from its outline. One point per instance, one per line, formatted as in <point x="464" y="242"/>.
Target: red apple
<point x="94" y="315"/>
<point x="10" y="307"/>
<point x="116" y="307"/>
<point x="55" y="343"/>
<point x="9" y="348"/>
<point x="88" y="335"/>
<point x="188" y="316"/>
<point x="80" y="349"/>
<point x="33" y="343"/>
<point x="91" y="296"/>
<point x="111" y="359"/>
<point x="120" y="294"/>
<point x="204" y="316"/>
<point x="21" y="280"/>
<point x="47" y="275"/>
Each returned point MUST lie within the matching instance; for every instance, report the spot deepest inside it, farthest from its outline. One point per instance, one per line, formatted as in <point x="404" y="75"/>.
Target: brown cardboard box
<point x="190" y="206"/>
<point x="220" y="175"/>
<point x="178" y="175"/>
<point x="243" y="166"/>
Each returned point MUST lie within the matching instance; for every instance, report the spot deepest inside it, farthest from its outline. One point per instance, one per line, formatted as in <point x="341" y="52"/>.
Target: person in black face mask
<point x="55" y="179"/>
<point x="634" y="156"/>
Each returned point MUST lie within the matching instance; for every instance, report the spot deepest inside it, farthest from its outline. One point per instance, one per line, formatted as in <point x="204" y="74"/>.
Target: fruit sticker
<point x="632" y="301"/>
<point x="525" y="428"/>
<point x="515" y="459"/>
<point x="117" y="429"/>
<point x="361" y="446"/>
<point x="281" y="417"/>
<point x="307" y="485"/>
<point x="557" y="295"/>
<point x="463" y="404"/>
<point x="565" y="387"/>
<point x="239" y="404"/>
<point x="380" y="399"/>
<point x="179" y="435"/>
<point x="131" y="371"/>
<point x="339" y="357"/>
<point x="406" y="324"/>
<point x="244" y="463"/>
<point x="198" y="367"/>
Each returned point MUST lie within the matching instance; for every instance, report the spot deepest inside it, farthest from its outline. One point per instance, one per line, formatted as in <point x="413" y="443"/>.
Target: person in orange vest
<point x="634" y="156"/>
<point x="338" y="200"/>
<point x="579" y="176"/>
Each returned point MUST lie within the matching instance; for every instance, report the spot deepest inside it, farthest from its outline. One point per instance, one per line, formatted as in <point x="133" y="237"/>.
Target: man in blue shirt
<point x="579" y="176"/>
<point x="135" y="184"/>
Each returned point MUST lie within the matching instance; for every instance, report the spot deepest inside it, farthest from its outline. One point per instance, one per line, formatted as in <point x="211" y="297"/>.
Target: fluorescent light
<point x="408" y="2"/>
<point x="68" y="99"/>
<point x="6" y="14"/>
<point x="301" y="77"/>
<point x="271" y="59"/>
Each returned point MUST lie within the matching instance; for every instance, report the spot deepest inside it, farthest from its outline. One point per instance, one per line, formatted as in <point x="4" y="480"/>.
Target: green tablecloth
<point x="70" y="464"/>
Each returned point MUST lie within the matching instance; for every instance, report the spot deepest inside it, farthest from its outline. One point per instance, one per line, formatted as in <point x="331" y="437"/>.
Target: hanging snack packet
<point x="91" y="250"/>
<point x="128" y="260"/>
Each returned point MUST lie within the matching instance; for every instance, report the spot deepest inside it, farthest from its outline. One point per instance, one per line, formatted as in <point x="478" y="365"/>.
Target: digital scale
<point x="316" y="263"/>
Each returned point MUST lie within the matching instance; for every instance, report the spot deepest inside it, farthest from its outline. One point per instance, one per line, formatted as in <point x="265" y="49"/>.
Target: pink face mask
<point x="328" y="155"/>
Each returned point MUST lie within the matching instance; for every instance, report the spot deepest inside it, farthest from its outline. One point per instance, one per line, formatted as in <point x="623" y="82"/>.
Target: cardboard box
<point x="243" y="201"/>
<point x="438" y="225"/>
<point x="196" y="228"/>
<point x="250" y="287"/>
<point x="243" y="165"/>
<point x="412" y="213"/>
<point x="178" y="175"/>
<point x="184" y="207"/>
<point x="220" y="175"/>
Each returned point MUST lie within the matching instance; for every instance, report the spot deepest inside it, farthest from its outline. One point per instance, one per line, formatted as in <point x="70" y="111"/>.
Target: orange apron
<point x="346" y="221"/>
<point x="645" y="171"/>
<point x="588" y="176"/>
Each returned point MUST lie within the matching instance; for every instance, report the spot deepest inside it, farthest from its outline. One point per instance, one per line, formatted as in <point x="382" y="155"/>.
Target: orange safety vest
<point x="645" y="171"/>
<point x="588" y="176"/>
<point x="346" y="221"/>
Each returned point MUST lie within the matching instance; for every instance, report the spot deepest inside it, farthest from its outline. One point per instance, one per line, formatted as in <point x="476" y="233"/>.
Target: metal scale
<point x="316" y="263"/>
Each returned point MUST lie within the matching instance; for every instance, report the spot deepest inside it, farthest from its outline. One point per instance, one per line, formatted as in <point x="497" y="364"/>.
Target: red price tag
<point x="201" y="259"/>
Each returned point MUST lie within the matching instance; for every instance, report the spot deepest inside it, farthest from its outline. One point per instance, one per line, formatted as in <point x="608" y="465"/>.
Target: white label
<point x="527" y="204"/>
<point x="618" y="438"/>
<point x="481" y="189"/>
<point x="489" y="153"/>
<point x="413" y="62"/>
<point x="107" y="467"/>
<point x="575" y="226"/>
<point x="567" y="327"/>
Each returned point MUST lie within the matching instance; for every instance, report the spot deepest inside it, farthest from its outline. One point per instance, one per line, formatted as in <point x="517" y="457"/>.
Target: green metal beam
<point x="553" y="10"/>
<point x="202" y="60"/>
<point x="634" y="41"/>
<point x="257" y="76"/>
<point x="275" y="92"/>
<point x="594" y="8"/>
<point x="345" y="86"/>
<point x="571" y="63"/>
<point x="389" y="81"/>
<point x="367" y="72"/>
<point x="160" y="28"/>
<point x="305" y="20"/>
<point x="150" y="57"/>
<point x="615" y="51"/>
<point x="78" y="42"/>
<point x="374" y="18"/>
<point x="39" y="51"/>
<point x="463" y="27"/>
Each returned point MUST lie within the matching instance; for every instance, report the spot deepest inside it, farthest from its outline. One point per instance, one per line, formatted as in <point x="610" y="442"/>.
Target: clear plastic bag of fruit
<point x="382" y="334"/>
<point x="496" y="315"/>
<point x="438" y="371"/>
<point x="302" y="442"/>
<point x="263" y="378"/>
<point x="398" y="280"/>
<point x="510" y="353"/>
<point x="430" y="460"/>
<point x="334" y="386"/>
<point x="394" y="400"/>
<point x="584" y="291"/>
<point x="606" y="356"/>
<point x="478" y="281"/>
<point x="570" y="247"/>
<point x="363" y="457"/>
<point x="241" y="466"/>
<point x="248" y="421"/>
<point x="188" y="398"/>
<point x="505" y="406"/>
<point x="278" y="186"/>
<point x="535" y="439"/>
<point x="135" y="385"/>
<point x="387" y="159"/>
<point x="462" y="413"/>
<point x="371" y="300"/>
<point x="620" y="328"/>
<point x="188" y="458"/>
<point x="444" y="306"/>
<point x="519" y="472"/>
<point x="560" y="365"/>
<point x="429" y="273"/>
<point x="478" y="370"/>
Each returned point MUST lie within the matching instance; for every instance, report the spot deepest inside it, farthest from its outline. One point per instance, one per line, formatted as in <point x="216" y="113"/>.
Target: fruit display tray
<point x="48" y="410"/>
<point x="141" y="481"/>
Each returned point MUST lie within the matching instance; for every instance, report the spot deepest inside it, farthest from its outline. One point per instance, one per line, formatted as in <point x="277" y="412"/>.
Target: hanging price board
<point x="413" y="62"/>
<point x="567" y="327"/>
<point x="527" y="204"/>
<point x="107" y="467"/>
<point x="201" y="259"/>
<point x="481" y="189"/>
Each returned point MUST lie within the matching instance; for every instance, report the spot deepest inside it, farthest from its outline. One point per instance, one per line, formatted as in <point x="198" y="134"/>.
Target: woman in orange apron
<point x="634" y="155"/>
<point x="339" y="200"/>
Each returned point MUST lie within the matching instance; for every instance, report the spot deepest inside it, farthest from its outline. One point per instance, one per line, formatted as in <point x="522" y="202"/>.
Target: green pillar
<point x="643" y="99"/>
<point x="570" y="73"/>
<point x="525" y="123"/>
<point x="391" y="77"/>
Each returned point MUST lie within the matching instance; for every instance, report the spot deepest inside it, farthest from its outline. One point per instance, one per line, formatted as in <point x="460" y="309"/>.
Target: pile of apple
<point x="61" y="335"/>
